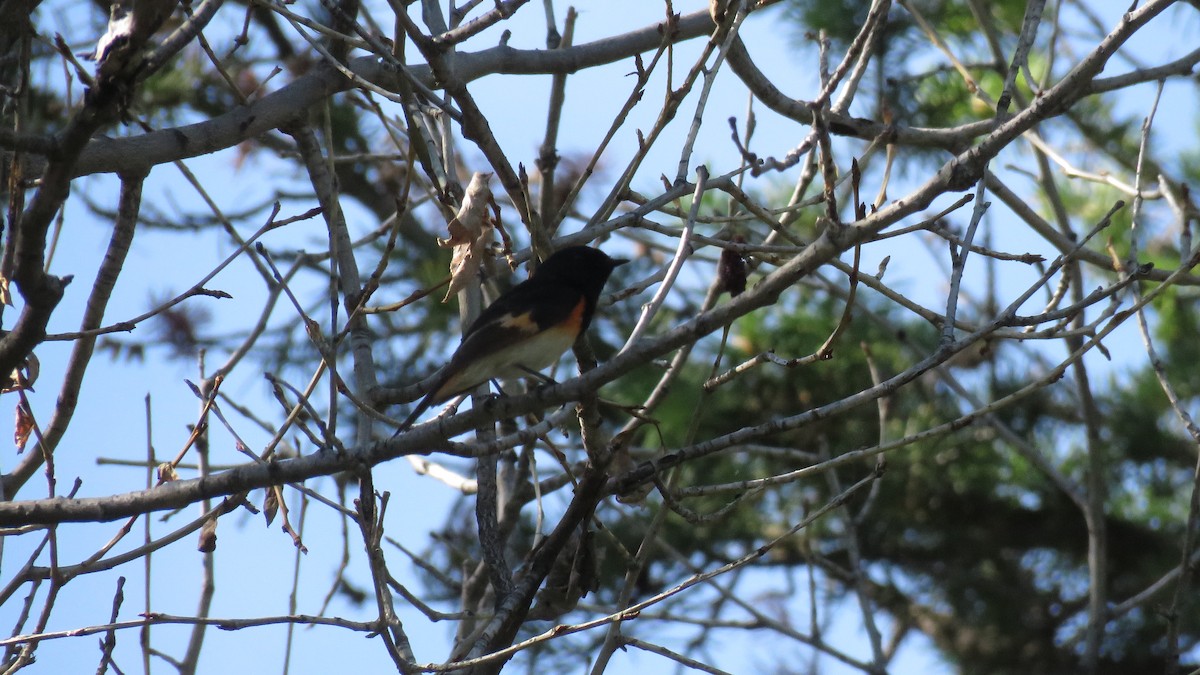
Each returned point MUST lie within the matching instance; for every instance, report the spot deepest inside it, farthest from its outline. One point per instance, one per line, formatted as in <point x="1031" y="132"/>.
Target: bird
<point x="528" y="327"/>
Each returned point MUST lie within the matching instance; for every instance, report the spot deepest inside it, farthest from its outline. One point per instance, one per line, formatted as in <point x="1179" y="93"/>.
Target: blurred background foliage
<point x="965" y="541"/>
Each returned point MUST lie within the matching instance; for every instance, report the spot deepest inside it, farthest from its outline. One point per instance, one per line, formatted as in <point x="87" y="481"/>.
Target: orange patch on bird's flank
<point x="572" y="323"/>
<point x="534" y="350"/>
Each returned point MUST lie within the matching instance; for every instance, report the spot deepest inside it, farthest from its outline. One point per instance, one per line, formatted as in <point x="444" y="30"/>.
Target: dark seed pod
<point x="731" y="271"/>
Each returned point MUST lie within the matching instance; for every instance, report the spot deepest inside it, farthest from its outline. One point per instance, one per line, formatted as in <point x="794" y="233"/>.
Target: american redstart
<point x="527" y="328"/>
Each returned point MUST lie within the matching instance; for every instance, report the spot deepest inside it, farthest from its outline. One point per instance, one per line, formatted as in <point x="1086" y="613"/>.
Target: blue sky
<point x="255" y="565"/>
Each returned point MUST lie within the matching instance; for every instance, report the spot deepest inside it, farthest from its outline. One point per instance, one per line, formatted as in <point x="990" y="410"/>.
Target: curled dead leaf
<point x="470" y="234"/>
<point x="23" y="376"/>
<point x="167" y="473"/>
<point x="732" y="270"/>
<point x="271" y="505"/>
<point x="208" y="536"/>
<point x="22" y="427"/>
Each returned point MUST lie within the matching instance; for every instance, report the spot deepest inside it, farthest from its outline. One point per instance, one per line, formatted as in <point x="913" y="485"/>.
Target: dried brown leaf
<point x="470" y="234"/>
<point x="167" y="473"/>
<point x="732" y="271"/>
<point x="208" y="536"/>
<point x="23" y="427"/>
<point x="271" y="504"/>
<point x="23" y="376"/>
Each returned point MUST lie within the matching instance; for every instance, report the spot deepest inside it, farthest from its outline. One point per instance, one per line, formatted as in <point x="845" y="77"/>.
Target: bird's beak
<point x="617" y="262"/>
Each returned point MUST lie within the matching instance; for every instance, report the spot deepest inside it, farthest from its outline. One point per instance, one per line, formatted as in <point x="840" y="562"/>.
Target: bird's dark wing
<point x="540" y="305"/>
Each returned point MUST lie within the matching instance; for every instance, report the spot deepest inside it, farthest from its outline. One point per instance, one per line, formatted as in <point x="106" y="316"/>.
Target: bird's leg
<point x="543" y="378"/>
<point x="499" y="388"/>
